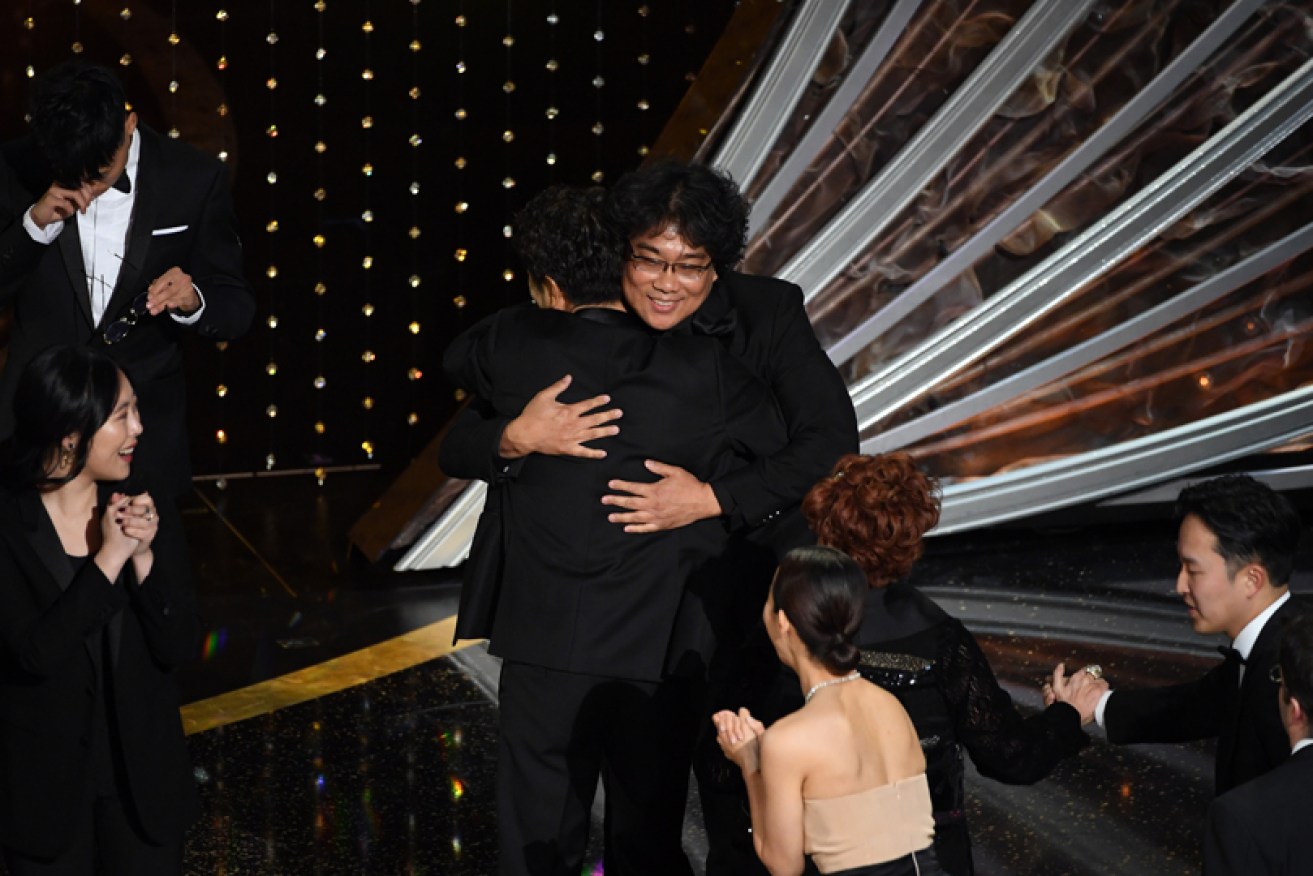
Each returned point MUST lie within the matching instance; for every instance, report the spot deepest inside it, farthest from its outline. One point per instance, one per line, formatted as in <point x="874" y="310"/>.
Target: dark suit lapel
<point x="144" y="184"/>
<point x="44" y="541"/>
<point x="70" y="247"/>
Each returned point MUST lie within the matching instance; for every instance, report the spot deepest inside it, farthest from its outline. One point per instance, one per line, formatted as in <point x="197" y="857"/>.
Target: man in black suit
<point x="1261" y="828"/>
<point x="1237" y="544"/>
<point x="677" y="218"/>
<point x="584" y="616"/>
<point x="130" y="245"/>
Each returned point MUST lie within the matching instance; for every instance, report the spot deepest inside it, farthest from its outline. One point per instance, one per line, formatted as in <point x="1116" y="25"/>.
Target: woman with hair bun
<point x="843" y="778"/>
<point x="876" y="509"/>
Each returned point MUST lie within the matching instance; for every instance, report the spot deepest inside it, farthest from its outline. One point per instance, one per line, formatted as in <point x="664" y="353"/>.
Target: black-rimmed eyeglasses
<point x="119" y="328"/>
<point x="652" y="267"/>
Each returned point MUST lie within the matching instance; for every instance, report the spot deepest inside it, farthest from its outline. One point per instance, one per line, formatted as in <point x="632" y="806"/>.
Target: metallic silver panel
<point x="1121" y="124"/>
<point x="785" y="79"/>
<point x="835" y="110"/>
<point x="1029" y="41"/>
<point x="1128" y="466"/>
<point x="447" y="542"/>
<point x="1096" y="347"/>
<point x="1091" y="254"/>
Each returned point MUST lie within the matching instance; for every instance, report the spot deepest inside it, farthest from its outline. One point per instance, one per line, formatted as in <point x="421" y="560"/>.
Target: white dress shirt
<point x="103" y="230"/>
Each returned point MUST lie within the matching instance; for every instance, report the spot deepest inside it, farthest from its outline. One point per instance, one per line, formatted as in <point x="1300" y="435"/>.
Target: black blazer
<point x="1261" y="828"/>
<point x="1251" y="739"/>
<point x="761" y="321"/>
<point x="182" y="216"/>
<point x="578" y="593"/>
<point x="47" y="672"/>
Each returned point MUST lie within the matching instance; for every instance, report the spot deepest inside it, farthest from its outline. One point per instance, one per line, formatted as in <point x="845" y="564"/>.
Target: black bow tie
<point x="123" y="183"/>
<point x="1231" y="654"/>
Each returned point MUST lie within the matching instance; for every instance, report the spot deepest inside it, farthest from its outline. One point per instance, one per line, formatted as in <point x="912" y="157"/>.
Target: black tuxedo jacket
<point x="1251" y="739"/>
<point x="182" y="216"/>
<point x="47" y="671"/>
<point x="578" y="593"/>
<point x="1261" y="828"/>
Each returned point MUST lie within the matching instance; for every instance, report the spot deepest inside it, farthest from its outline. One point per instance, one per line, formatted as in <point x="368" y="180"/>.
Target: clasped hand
<point x="129" y="524"/>
<point x="1081" y="690"/>
<point x="739" y="737"/>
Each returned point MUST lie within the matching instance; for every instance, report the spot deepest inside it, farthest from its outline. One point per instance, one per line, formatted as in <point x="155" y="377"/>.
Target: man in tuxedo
<point x="1261" y="827"/>
<point x="115" y="236"/>
<point x="585" y="612"/>
<point x="673" y="218"/>
<point x="1237" y="543"/>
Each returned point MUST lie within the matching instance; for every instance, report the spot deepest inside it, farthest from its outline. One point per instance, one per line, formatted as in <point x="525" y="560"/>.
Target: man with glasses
<point x="1261" y="828"/>
<point x="1237" y="543"/>
<point x="685" y="226"/>
<point x="584" y="611"/>
<point x="113" y="235"/>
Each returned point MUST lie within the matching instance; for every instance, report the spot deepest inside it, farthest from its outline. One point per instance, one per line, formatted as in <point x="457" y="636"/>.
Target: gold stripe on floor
<point x="331" y="676"/>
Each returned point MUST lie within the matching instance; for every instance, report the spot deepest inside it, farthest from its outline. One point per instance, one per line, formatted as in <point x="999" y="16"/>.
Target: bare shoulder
<point x="793" y="739"/>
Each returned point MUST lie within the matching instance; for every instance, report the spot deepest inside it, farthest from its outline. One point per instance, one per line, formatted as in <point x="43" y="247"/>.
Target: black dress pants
<point x="560" y="731"/>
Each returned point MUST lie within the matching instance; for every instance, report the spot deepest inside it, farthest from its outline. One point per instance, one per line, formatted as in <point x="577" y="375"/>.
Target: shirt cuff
<point x="44" y="236"/>
<point x="190" y="318"/>
<point x="1103" y="704"/>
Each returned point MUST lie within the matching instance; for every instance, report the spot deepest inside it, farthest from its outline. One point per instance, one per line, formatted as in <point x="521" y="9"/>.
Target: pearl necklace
<point x="852" y="676"/>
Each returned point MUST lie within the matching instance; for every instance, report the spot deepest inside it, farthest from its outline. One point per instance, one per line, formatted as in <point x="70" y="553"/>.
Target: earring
<point x="66" y="457"/>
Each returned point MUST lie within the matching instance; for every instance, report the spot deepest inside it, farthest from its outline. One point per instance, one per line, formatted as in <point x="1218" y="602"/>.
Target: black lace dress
<point x="932" y="663"/>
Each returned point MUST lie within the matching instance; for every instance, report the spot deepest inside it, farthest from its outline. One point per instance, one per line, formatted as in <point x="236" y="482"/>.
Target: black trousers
<point x="560" y="732"/>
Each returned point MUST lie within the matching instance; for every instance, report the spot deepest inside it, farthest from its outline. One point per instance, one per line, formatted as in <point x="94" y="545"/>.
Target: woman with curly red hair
<point x="876" y="509"/>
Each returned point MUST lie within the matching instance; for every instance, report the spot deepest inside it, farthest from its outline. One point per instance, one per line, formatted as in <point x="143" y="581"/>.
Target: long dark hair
<point x="822" y="592"/>
<point x="66" y="390"/>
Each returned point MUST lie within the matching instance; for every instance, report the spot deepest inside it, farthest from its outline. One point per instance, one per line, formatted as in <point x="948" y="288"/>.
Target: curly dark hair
<point x="560" y="234"/>
<point x="703" y="203"/>
<point x="822" y="593"/>
<point x="1251" y="522"/>
<point x="875" y="509"/>
<point x="78" y="114"/>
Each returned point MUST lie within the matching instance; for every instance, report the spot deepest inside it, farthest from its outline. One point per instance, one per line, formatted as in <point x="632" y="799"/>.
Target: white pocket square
<point x="172" y="229"/>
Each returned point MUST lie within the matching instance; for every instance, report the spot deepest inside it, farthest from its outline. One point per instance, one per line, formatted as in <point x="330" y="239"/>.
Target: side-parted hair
<point x="66" y="390"/>
<point x="703" y="203"/>
<point x="1296" y="659"/>
<point x="78" y="112"/>
<point x="875" y="509"/>
<point x="1251" y="522"/>
<point x="822" y="592"/>
<point x="560" y="233"/>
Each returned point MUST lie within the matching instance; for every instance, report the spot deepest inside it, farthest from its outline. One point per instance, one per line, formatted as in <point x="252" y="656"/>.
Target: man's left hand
<point x="676" y="500"/>
<point x="172" y="291"/>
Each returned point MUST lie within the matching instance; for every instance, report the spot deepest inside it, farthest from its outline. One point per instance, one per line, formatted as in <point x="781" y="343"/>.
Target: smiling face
<point x="1216" y="599"/>
<point x="656" y="293"/>
<point x="109" y="454"/>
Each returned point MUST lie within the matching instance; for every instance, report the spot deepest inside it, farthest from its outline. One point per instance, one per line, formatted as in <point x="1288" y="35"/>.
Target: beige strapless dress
<point x="870" y="827"/>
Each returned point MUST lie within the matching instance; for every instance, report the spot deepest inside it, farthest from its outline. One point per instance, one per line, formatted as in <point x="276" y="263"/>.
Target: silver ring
<point x="150" y="515"/>
<point x="1095" y="670"/>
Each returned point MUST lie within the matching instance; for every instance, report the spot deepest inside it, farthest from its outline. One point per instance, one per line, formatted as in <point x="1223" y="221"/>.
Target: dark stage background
<point x="378" y="152"/>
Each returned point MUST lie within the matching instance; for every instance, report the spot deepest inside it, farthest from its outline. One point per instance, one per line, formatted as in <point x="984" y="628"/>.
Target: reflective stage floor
<point x="333" y="729"/>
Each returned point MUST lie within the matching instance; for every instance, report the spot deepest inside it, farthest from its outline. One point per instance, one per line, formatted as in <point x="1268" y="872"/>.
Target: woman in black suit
<point x="96" y="610"/>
